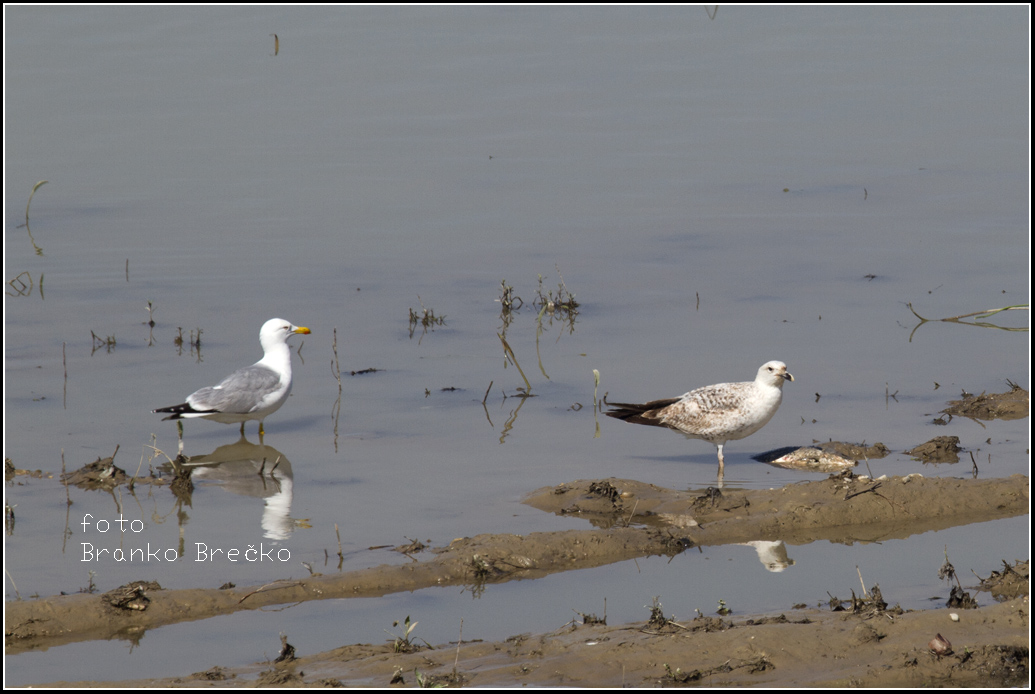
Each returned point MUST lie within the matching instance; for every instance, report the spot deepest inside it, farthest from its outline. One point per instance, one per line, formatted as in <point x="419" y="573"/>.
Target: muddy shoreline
<point x="812" y="648"/>
<point x="630" y="519"/>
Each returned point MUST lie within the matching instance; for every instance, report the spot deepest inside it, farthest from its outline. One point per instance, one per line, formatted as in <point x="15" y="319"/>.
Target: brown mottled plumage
<point x="719" y="413"/>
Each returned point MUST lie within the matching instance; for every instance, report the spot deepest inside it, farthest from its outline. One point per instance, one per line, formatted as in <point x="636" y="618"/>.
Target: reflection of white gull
<point x="252" y="471"/>
<point x="719" y="413"/>
<point x="275" y="488"/>
<point x="773" y="555"/>
<point x="254" y="392"/>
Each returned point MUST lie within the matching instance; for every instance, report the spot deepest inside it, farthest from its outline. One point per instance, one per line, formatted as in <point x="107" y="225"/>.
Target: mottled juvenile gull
<point x="719" y="413"/>
<point x="254" y="392"/>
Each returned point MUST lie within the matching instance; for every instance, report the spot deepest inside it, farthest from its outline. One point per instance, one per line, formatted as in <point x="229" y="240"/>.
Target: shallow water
<point x="714" y="192"/>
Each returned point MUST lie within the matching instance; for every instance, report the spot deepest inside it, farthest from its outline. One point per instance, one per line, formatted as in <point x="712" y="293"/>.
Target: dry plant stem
<point x="510" y="354"/>
<point x="34" y="189"/>
<point x="459" y="640"/>
<point x="976" y="314"/>
<point x="337" y="366"/>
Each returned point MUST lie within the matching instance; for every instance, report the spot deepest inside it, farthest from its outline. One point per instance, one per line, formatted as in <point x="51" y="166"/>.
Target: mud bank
<point x="633" y="519"/>
<point x="811" y="648"/>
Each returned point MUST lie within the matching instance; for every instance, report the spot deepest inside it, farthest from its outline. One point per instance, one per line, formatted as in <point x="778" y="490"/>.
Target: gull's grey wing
<point x="241" y="392"/>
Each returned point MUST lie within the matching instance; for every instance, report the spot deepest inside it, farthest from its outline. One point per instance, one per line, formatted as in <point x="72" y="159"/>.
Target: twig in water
<point x="977" y="315"/>
<point x="510" y="354"/>
<point x="34" y="189"/>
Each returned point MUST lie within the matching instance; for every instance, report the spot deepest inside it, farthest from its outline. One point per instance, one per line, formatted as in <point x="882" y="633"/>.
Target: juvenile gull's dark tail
<point x="645" y="413"/>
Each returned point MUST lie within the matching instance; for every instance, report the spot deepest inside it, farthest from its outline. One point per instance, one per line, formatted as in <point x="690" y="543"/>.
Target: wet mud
<point x="627" y="519"/>
<point x="800" y="648"/>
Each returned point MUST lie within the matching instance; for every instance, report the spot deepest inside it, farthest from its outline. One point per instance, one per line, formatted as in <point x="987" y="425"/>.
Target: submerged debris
<point x="132" y="596"/>
<point x="961" y="599"/>
<point x="182" y="486"/>
<point x="1011" y="582"/>
<point x="868" y="606"/>
<point x="214" y="674"/>
<point x="426" y="319"/>
<point x="10" y="472"/>
<point x="100" y="474"/>
<point x="709" y="625"/>
<point x="1012" y="404"/>
<point x="855" y="451"/>
<point x="940" y="449"/>
<point x="608" y="491"/>
<point x="591" y="619"/>
<point x="810" y="458"/>
<point x="958" y="597"/>
<point x="828" y="456"/>
<point x="287" y="651"/>
<point x="413" y="547"/>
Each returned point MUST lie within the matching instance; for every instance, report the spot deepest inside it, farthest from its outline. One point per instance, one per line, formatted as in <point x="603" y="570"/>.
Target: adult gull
<point x="254" y="392"/>
<point x="719" y="413"/>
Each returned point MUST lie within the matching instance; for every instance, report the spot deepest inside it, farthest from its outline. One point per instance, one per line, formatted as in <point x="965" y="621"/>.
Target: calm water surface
<point x="774" y="183"/>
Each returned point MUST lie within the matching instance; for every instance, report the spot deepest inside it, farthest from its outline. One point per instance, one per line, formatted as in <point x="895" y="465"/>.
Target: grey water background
<point x="766" y="162"/>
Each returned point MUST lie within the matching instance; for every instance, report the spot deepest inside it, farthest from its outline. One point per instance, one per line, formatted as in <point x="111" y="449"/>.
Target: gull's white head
<point x="277" y="331"/>
<point x="773" y="373"/>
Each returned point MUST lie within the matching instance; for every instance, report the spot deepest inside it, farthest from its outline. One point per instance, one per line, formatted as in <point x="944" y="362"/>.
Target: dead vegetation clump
<point x="998" y="665"/>
<point x="855" y="451"/>
<point x="670" y="544"/>
<point x="132" y="596"/>
<point x="608" y="491"/>
<point x="1013" y="404"/>
<point x="100" y="474"/>
<point x="1011" y="582"/>
<point x="677" y="677"/>
<point x="214" y="674"/>
<point x="867" y="606"/>
<point x="426" y="318"/>
<point x="276" y="677"/>
<point x="940" y="449"/>
<point x="413" y="547"/>
<point x="958" y="598"/>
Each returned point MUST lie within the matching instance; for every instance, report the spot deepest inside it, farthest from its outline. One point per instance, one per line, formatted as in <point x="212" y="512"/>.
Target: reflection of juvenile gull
<point x="720" y="413"/>
<point x="253" y="392"/>
<point x="772" y="554"/>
